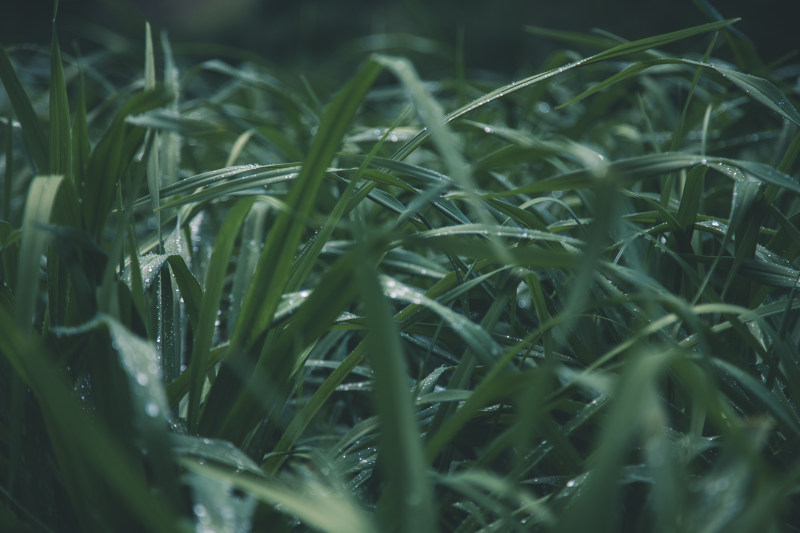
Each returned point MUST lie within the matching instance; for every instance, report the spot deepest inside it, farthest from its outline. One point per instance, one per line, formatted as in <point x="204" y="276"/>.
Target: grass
<point x="235" y="301"/>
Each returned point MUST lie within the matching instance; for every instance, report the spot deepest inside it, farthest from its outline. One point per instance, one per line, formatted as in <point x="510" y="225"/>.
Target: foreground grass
<point x="567" y="303"/>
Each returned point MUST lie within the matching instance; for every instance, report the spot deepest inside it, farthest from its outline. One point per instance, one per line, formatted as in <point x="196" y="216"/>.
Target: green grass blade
<point x="9" y="170"/>
<point x="759" y="89"/>
<point x="171" y="142"/>
<point x="270" y="380"/>
<point x="617" y="51"/>
<point x="189" y="287"/>
<point x="310" y="409"/>
<point x="153" y="167"/>
<point x="253" y="235"/>
<point x="596" y="500"/>
<point x="90" y="459"/>
<point x="274" y="266"/>
<point x="48" y="199"/>
<point x="408" y="494"/>
<point x="690" y="199"/>
<point x="312" y="503"/>
<point x="31" y="129"/>
<point x="81" y="145"/>
<point x="658" y="40"/>
<point x="60" y="134"/>
<point x="212" y="295"/>
<point x="112" y="156"/>
<point x="140" y="361"/>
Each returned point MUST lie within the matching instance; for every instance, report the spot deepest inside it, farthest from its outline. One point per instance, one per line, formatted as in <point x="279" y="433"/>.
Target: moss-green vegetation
<point x="231" y="300"/>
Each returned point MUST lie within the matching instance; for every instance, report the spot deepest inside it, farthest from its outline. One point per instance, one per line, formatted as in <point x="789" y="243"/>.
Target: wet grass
<point x="234" y="300"/>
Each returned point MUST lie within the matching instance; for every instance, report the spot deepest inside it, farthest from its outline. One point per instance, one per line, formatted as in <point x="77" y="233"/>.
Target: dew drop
<point x="152" y="409"/>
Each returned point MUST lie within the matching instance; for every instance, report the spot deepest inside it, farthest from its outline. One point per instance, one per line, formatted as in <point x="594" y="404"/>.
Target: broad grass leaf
<point x="690" y="199"/>
<point x="90" y="459"/>
<point x="50" y="199"/>
<point x="312" y="503"/>
<point x="228" y="181"/>
<point x="216" y="506"/>
<point x="141" y="362"/>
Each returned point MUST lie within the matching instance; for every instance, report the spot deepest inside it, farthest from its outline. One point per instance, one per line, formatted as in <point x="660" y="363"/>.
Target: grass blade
<point x="31" y="129"/>
<point x="408" y="494"/>
<point x="215" y="281"/>
<point x="273" y="267"/>
<point x="60" y="135"/>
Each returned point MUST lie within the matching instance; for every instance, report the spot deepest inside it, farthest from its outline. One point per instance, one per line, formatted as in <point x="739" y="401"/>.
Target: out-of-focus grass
<point x="231" y="301"/>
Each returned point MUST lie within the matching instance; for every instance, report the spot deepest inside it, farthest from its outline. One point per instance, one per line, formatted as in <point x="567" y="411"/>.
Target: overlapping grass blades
<point x="573" y="309"/>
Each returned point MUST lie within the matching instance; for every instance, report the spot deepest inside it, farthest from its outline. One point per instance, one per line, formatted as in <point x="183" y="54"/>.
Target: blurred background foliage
<point x="309" y="32"/>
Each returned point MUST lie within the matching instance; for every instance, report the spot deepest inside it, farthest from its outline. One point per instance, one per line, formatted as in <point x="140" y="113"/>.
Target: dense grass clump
<point x="231" y="300"/>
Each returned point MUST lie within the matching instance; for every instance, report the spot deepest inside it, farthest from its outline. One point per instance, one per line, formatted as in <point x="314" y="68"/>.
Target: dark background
<point x="304" y="32"/>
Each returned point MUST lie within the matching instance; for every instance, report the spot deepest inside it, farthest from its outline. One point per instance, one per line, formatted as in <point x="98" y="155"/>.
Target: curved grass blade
<point x="617" y="51"/>
<point x="759" y="89"/>
<point x="50" y="198"/>
<point x="311" y="502"/>
<point x="216" y="505"/>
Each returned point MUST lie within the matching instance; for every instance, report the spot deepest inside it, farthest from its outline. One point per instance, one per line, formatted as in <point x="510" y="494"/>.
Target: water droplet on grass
<point x="152" y="409"/>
